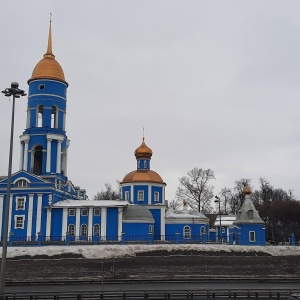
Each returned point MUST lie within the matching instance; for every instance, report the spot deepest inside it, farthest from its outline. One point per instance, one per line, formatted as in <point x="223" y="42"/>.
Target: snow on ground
<point x="114" y="251"/>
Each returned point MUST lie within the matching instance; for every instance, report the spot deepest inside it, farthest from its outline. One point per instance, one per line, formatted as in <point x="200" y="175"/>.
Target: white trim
<point x="49" y="95"/>
<point x="38" y="214"/>
<point x="184" y="236"/>
<point x="25" y="159"/>
<point x="21" y="178"/>
<point x="163" y="223"/>
<point x="103" y="222"/>
<point x="185" y="221"/>
<point x="10" y="213"/>
<point x="48" y="224"/>
<point x="131" y="193"/>
<point x="17" y="198"/>
<point x="120" y="218"/>
<point x="149" y="193"/>
<point x="58" y="157"/>
<point x="29" y="216"/>
<point x="138" y="221"/>
<point x="57" y="137"/>
<point x="250" y="236"/>
<point x="64" y="227"/>
<point x="1" y="213"/>
<point x="77" y="222"/>
<point x="138" y="195"/>
<point x="21" y="155"/>
<point x="90" y="221"/>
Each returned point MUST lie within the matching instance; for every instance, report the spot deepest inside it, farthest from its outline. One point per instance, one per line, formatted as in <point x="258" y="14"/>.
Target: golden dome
<point x="143" y="151"/>
<point x="48" y="67"/>
<point x="142" y="176"/>
<point x="247" y="190"/>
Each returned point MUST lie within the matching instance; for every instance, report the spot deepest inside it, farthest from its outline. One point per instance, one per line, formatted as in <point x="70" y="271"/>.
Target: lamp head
<point x="14" y="85"/>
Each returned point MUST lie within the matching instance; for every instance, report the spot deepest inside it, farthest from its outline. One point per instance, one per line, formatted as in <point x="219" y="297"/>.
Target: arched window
<point x="54" y="117"/>
<point x="83" y="231"/>
<point x="22" y="183"/>
<point x="202" y="230"/>
<point x="187" y="232"/>
<point x="40" y="115"/>
<point x="71" y="229"/>
<point x="37" y="160"/>
<point x="252" y="236"/>
<point x="97" y="229"/>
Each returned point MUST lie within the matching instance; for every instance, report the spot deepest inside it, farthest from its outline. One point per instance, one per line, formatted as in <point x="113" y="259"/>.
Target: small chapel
<point x="46" y="207"/>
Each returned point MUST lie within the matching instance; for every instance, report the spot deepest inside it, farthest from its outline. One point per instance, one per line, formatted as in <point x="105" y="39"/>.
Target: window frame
<point x="84" y="210"/>
<point x="71" y="232"/>
<point x="252" y="240"/>
<point x="126" y="194"/>
<point x="71" y="210"/>
<point x="96" y="226"/>
<point x="84" y="230"/>
<point x="202" y="230"/>
<point x="186" y="232"/>
<point x="141" y="193"/>
<point x="97" y="214"/>
<point x="151" y="228"/>
<point x="156" y="196"/>
<point x="18" y="200"/>
<point x="21" y="183"/>
<point x="17" y="225"/>
<point x="223" y="229"/>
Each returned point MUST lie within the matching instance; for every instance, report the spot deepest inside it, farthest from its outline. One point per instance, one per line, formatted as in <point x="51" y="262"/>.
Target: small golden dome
<point x="142" y="176"/>
<point x="48" y="67"/>
<point x="247" y="190"/>
<point x="143" y="151"/>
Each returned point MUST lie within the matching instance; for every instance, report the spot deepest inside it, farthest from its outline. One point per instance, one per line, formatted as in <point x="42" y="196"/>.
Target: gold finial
<point x="247" y="190"/>
<point x="49" y="47"/>
<point x="143" y="133"/>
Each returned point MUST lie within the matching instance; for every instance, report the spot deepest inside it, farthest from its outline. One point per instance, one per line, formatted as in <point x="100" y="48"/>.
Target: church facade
<point x="45" y="206"/>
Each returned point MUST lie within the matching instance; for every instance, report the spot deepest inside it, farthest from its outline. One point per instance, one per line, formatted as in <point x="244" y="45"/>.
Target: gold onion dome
<point x="48" y="67"/>
<point x="143" y="151"/>
<point x="142" y="176"/>
<point x="247" y="190"/>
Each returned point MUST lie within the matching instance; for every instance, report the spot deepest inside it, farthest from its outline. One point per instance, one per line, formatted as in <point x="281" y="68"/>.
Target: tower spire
<point x="49" y="47"/>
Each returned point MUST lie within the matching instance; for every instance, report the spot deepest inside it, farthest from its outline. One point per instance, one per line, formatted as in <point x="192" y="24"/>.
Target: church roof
<point x="90" y="203"/>
<point x="143" y="151"/>
<point x="137" y="213"/>
<point x="248" y="213"/>
<point x="48" y="67"/>
<point x="142" y="176"/>
<point x="185" y="214"/>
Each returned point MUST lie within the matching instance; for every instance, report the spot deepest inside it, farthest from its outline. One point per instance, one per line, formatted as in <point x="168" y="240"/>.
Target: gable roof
<point x="24" y="174"/>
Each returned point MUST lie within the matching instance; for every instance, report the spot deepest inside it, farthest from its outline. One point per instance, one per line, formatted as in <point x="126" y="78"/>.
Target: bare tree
<point x="175" y="204"/>
<point x="239" y="188"/>
<point x="108" y="193"/>
<point x="196" y="189"/>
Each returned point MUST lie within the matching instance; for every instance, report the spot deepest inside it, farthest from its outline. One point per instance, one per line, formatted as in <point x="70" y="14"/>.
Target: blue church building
<point x="46" y="206"/>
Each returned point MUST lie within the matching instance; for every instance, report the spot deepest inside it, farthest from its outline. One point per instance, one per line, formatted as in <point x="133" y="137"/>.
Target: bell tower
<point x="44" y="144"/>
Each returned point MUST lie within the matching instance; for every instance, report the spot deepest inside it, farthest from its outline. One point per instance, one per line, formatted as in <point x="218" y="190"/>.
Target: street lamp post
<point x="16" y="93"/>
<point x="218" y="200"/>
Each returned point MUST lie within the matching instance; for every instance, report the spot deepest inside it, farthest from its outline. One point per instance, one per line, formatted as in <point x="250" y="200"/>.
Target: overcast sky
<point x="216" y="84"/>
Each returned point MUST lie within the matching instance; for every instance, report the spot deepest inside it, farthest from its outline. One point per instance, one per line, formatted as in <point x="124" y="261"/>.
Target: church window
<point x="97" y="211"/>
<point x="71" y="211"/>
<point x="252" y="236"/>
<point x="127" y="195"/>
<point x="19" y="222"/>
<point x="37" y="160"/>
<point x="139" y="164"/>
<point x="151" y="228"/>
<point x="156" y="196"/>
<point x="84" y="212"/>
<point x="20" y="203"/>
<point x="22" y="183"/>
<point x="202" y="230"/>
<point x="250" y="214"/>
<point x="145" y="164"/>
<point x="83" y="230"/>
<point x="40" y="115"/>
<point x="222" y="229"/>
<point x="41" y="87"/>
<point x="54" y="117"/>
<point x="97" y="229"/>
<point x="141" y="196"/>
<point x="71" y="230"/>
<point x="187" y="232"/>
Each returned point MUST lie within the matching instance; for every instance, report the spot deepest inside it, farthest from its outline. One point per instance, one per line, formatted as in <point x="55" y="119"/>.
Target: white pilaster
<point x="163" y="194"/>
<point x="21" y="155"/>
<point x="90" y="222"/>
<point x="58" y="157"/>
<point x="1" y="214"/>
<point x="162" y="223"/>
<point x="66" y="159"/>
<point x="25" y="158"/>
<point x="77" y="225"/>
<point x="103" y="223"/>
<point x="120" y="221"/>
<point x="48" y="224"/>
<point x="10" y="211"/>
<point x="64" y="224"/>
<point x="48" y="162"/>
<point x="149" y="193"/>
<point x="29" y="218"/>
<point x="39" y="214"/>
<point x="131" y="194"/>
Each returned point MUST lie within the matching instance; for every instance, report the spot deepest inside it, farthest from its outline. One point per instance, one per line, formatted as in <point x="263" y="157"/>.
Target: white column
<point x="9" y="215"/>
<point x="149" y="193"/>
<point x="39" y="214"/>
<point x="77" y="225"/>
<point x="1" y="214"/>
<point x="131" y="194"/>
<point x="163" y="194"/>
<point x="48" y="224"/>
<point x="58" y="157"/>
<point x="25" y="159"/>
<point x="66" y="159"/>
<point x="48" y="162"/>
<point x="162" y="223"/>
<point x="29" y="217"/>
<point x="90" y="222"/>
<point x="64" y="224"/>
<point x="103" y="223"/>
<point x="21" y="155"/>
<point x="120" y="221"/>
